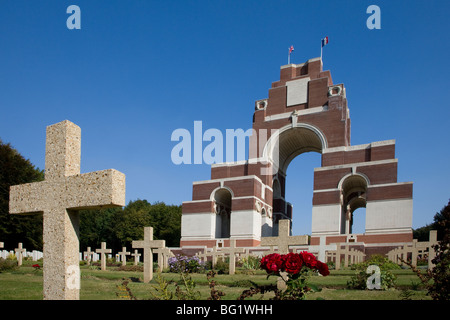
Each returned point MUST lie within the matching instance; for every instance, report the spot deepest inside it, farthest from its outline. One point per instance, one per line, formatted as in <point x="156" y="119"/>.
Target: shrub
<point x="388" y="279"/>
<point x="222" y="266"/>
<point x="11" y="256"/>
<point x="378" y="260"/>
<point x="437" y="279"/>
<point x="7" y="264"/>
<point x="251" y="263"/>
<point x="131" y="268"/>
<point x="359" y="280"/>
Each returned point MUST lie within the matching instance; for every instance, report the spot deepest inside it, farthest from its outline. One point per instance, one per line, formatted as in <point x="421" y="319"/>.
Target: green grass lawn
<point x="25" y="283"/>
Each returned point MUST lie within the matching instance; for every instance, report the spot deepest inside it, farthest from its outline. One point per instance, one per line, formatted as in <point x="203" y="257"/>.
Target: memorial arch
<point x="289" y="143"/>
<point x="304" y="112"/>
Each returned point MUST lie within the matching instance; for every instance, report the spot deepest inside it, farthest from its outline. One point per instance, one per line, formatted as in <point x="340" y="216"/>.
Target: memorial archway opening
<point x="291" y="143"/>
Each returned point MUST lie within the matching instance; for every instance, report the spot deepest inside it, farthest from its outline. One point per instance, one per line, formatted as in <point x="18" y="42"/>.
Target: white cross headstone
<point x="323" y="248"/>
<point x="36" y="255"/>
<point x="232" y="250"/>
<point x="19" y="253"/>
<point x="88" y="254"/>
<point x="284" y="239"/>
<point x="123" y="255"/>
<point x="148" y="244"/>
<point x="136" y="256"/>
<point x="103" y="251"/>
<point x="214" y="254"/>
<point x="163" y="257"/>
<point x="58" y="197"/>
<point x="203" y="255"/>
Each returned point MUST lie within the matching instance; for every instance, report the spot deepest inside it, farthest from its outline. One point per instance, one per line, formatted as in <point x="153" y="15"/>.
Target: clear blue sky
<point x="137" y="70"/>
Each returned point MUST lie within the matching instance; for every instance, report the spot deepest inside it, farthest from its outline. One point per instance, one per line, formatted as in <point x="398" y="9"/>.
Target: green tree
<point x="14" y="170"/>
<point x="119" y="227"/>
<point x="437" y="280"/>
<point x="97" y="226"/>
<point x="165" y="220"/>
<point x="422" y="233"/>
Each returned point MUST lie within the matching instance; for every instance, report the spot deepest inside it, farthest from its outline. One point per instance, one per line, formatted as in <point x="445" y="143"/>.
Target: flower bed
<point x="181" y="263"/>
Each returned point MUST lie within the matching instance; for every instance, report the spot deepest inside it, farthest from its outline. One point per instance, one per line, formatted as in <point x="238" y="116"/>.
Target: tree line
<point x="116" y="226"/>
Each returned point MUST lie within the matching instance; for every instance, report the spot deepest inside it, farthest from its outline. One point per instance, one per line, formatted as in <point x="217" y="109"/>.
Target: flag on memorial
<point x="324" y="41"/>
<point x="291" y="48"/>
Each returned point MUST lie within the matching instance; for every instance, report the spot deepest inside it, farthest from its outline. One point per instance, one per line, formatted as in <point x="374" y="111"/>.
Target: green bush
<point x="222" y="266"/>
<point x="7" y="265"/>
<point x="388" y="279"/>
<point x="359" y="280"/>
<point x="331" y="265"/>
<point x="251" y="263"/>
<point x="378" y="260"/>
<point x="131" y="268"/>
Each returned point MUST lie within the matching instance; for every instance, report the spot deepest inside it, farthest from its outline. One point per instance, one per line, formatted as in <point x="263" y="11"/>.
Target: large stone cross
<point x="58" y="197"/>
<point x="284" y="240"/>
<point x="232" y="250"/>
<point x="148" y="244"/>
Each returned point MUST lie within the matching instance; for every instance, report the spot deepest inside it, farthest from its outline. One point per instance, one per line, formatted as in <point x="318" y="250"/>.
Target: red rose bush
<point x="294" y="269"/>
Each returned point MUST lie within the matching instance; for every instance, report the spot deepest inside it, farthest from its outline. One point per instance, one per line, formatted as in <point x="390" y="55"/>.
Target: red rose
<point x="323" y="268"/>
<point x="272" y="263"/>
<point x="292" y="263"/>
<point x="308" y="259"/>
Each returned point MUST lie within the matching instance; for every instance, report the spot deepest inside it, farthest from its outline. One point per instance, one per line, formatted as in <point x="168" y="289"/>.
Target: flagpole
<point x="321" y="49"/>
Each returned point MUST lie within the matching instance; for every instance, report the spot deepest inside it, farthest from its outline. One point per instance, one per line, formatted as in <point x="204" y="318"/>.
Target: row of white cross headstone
<point x="283" y="241"/>
<point x="149" y="246"/>
<point x="34" y="255"/>
<point x="19" y="252"/>
<point x="88" y="255"/>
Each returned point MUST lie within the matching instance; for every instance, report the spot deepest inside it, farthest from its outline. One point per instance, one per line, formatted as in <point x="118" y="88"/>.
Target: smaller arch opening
<point x="353" y="191"/>
<point x="222" y="205"/>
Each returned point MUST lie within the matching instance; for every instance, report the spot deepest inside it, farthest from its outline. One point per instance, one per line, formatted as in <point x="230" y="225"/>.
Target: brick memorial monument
<point x="305" y="111"/>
